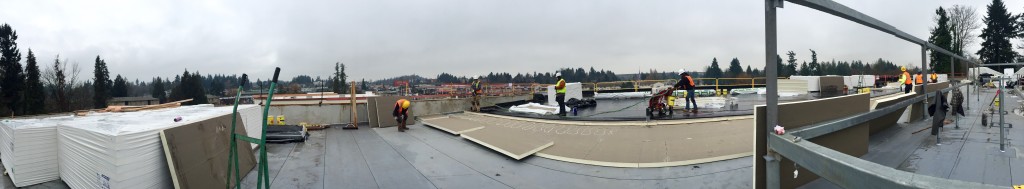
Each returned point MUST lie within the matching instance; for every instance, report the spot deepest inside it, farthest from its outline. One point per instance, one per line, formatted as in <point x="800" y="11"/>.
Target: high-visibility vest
<point x="561" y="82"/>
<point x="935" y="77"/>
<point x="919" y="78"/>
<point x="691" y="81"/>
<point x="906" y="78"/>
<point x="398" y="104"/>
<point x="476" y="87"/>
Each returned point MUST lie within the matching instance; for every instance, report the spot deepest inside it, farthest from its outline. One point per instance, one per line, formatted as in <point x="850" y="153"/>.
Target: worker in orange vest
<point x="686" y="83"/>
<point x="906" y="80"/>
<point x="401" y="113"/>
<point x="477" y="91"/>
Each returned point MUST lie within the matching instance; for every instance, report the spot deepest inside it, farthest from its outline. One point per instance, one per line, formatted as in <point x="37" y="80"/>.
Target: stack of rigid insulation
<point x="28" y="148"/>
<point x="123" y="150"/>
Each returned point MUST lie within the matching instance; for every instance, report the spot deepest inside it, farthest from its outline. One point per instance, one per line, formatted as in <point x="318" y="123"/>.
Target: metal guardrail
<point x="840" y="169"/>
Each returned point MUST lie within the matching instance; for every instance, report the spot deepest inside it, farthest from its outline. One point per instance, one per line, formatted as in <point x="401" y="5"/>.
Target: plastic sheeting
<point x="123" y="150"/>
<point x="28" y="147"/>
<point x="534" y="108"/>
<point x="623" y="95"/>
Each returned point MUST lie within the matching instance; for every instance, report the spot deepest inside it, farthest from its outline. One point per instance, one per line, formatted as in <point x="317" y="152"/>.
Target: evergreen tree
<point x="120" y="87"/>
<point x="805" y="70"/>
<point x="790" y="66"/>
<point x="941" y="36"/>
<point x="735" y="69"/>
<point x="12" y="80"/>
<point x="999" y="28"/>
<point x="713" y="71"/>
<point x="814" y="68"/>
<point x="35" y="95"/>
<point x="338" y="80"/>
<point x="750" y="72"/>
<point x="101" y="84"/>
<point x="158" y="90"/>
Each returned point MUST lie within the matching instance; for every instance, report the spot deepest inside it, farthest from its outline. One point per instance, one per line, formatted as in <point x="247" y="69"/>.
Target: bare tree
<point x="963" y="22"/>
<point x="62" y="80"/>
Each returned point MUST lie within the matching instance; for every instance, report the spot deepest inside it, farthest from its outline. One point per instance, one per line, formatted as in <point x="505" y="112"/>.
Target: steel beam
<point x="848" y="13"/>
<point x="771" y="82"/>
<point x="1003" y="64"/>
<point x="816" y="130"/>
<point x="924" y="75"/>
<point x="847" y="171"/>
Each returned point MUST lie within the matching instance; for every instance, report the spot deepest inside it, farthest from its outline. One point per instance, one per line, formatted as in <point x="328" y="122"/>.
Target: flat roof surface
<point x="970" y="153"/>
<point x="424" y="157"/>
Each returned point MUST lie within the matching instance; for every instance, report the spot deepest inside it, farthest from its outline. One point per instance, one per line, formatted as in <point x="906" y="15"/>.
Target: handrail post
<point x="763" y="155"/>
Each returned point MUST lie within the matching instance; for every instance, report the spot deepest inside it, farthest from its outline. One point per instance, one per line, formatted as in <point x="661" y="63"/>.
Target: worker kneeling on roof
<point x="401" y="113"/>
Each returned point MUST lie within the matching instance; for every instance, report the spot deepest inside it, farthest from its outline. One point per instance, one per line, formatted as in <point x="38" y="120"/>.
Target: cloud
<point x="379" y="39"/>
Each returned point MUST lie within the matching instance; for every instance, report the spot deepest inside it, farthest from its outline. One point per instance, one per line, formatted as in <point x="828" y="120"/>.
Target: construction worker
<point x="686" y="83"/>
<point x="934" y="77"/>
<point x="401" y="113"/>
<point x="560" y="94"/>
<point x="477" y="91"/>
<point x="906" y="80"/>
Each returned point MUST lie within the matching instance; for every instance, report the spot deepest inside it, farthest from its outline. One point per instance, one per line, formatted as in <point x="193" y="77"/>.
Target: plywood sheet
<point x="451" y="125"/>
<point x="371" y="111"/>
<point x="890" y="119"/>
<point x="831" y="85"/>
<point x="197" y="153"/>
<point x="852" y="141"/>
<point x="385" y="106"/>
<point x="514" y="146"/>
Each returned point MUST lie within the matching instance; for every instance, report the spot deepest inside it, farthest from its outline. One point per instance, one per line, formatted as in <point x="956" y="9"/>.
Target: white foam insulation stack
<point x="812" y="82"/>
<point x="123" y="150"/>
<point x="251" y="116"/>
<point x="859" y="81"/>
<point x="28" y="148"/>
<point x="572" y="90"/>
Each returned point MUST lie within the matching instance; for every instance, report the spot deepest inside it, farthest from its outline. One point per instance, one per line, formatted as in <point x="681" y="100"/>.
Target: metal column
<point x="1002" y="123"/>
<point x="924" y="72"/>
<point x="772" y="179"/>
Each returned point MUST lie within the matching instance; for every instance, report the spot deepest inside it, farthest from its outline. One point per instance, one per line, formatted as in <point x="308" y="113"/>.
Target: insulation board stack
<point x="252" y="116"/>
<point x="812" y="82"/>
<point x="858" y="81"/>
<point x="28" y="148"/>
<point x="572" y="90"/>
<point x="123" y="150"/>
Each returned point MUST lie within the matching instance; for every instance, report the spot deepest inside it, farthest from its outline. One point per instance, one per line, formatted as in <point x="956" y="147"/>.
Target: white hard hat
<point x="476" y="77"/>
<point x="681" y="71"/>
<point x="558" y="74"/>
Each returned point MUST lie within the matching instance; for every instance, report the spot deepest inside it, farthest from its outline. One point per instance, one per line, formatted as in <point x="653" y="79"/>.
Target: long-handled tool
<point x="232" y="157"/>
<point x="263" y="179"/>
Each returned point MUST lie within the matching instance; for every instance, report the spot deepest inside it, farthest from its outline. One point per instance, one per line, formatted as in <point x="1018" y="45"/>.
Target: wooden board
<point x="197" y="153"/>
<point x="450" y="125"/>
<point x="516" y="147"/>
<point x="852" y="141"/>
<point x="371" y="111"/>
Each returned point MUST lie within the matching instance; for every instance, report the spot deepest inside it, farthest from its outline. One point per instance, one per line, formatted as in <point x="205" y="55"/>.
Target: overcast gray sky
<point x="386" y="38"/>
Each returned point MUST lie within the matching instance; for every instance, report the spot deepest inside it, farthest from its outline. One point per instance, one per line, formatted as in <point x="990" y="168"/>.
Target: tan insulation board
<point x="852" y="141"/>
<point x="385" y="106"/>
<point x="890" y="119"/>
<point x="450" y="125"/>
<point x="516" y="147"/>
<point x="197" y="153"/>
<point x="371" y="111"/>
<point x="630" y="146"/>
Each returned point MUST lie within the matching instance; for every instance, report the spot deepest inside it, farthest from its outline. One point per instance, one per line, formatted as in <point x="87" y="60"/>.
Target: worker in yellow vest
<point x="477" y="91"/>
<point x="935" y="77"/>
<point x="560" y="94"/>
<point x="906" y="80"/>
<point x="401" y="113"/>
